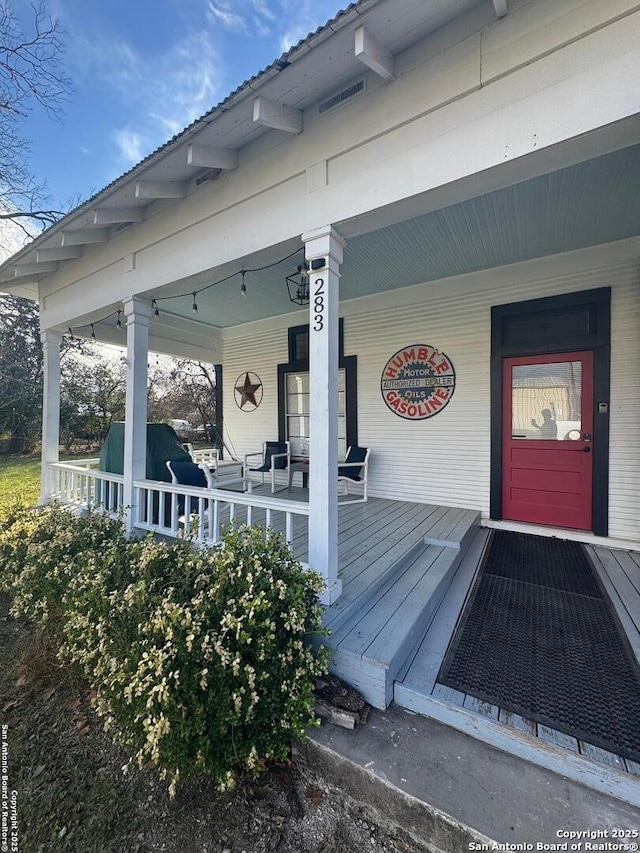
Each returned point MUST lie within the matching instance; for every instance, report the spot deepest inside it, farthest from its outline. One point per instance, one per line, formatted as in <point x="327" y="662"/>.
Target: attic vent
<point x="346" y="94"/>
<point x="122" y="226"/>
<point x="208" y="175"/>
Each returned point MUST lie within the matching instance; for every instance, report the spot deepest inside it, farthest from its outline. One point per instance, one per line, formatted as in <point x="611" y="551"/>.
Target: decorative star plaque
<point x="248" y="391"/>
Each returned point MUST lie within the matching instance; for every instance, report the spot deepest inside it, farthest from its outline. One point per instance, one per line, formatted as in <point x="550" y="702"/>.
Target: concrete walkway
<point x="448" y="789"/>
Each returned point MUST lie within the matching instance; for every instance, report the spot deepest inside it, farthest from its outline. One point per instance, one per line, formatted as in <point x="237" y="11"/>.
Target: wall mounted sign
<point x="418" y="382"/>
<point x="248" y="391"/>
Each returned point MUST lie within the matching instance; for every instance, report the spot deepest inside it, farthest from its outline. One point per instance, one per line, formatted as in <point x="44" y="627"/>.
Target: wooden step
<point x="372" y="645"/>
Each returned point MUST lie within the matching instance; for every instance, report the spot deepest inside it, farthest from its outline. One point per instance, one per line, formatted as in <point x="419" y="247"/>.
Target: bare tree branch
<point x="30" y="75"/>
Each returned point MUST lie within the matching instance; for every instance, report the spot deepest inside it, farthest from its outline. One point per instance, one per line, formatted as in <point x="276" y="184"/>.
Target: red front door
<point x="547" y="429"/>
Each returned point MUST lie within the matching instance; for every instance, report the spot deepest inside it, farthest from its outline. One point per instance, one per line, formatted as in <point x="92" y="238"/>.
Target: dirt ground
<point x="73" y="796"/>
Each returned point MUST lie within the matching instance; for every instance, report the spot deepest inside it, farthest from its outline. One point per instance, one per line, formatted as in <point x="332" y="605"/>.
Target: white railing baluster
<point x="81" y="484"/>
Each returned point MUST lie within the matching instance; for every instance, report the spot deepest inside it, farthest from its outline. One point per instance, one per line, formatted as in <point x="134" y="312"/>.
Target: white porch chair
<point x="354" y="470"/>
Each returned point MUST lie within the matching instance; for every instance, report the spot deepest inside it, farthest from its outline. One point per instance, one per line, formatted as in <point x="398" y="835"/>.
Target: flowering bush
<point x="198" y="656"/>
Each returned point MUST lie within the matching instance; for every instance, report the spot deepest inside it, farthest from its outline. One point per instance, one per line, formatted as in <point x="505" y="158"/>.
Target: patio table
<point x="301" y="465"/>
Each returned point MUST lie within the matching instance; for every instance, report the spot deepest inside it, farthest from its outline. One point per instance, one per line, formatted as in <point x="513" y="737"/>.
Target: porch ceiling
<point x="597" y="201"/>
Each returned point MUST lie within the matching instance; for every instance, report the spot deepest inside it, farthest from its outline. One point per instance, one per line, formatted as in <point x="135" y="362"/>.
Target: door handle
<point x="586" y="450"/>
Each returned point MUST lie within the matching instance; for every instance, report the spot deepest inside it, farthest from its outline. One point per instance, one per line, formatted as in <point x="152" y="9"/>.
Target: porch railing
<point x="170" y="509"/>
<point x="80" y="484"/>
<point x="174" y="509"/>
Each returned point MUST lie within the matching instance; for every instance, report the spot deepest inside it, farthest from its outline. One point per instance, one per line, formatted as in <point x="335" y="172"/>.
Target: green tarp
<point x="162" y="444"/>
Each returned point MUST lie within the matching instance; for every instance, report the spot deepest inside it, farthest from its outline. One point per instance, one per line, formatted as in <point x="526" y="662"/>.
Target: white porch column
<point x="137" y="312"/>
<point x="323" y="251"/>
<point x="50" y="407"/>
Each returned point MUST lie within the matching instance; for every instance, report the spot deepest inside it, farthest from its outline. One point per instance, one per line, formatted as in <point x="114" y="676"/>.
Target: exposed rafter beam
<point x="271" y="114"/>
<point x="63" y="253"/>
<point x="208" y="157"/>
<point x="83" y="238"/>
<point x="501" y="7"/>
<point x="374" y="55"/>
<point x="22" y="270"/>
<point x="160" y="189"/>
<point x="112" y="215"/>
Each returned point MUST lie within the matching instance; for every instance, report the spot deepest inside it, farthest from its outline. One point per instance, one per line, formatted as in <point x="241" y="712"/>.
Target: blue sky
<point x="141" y="70"/>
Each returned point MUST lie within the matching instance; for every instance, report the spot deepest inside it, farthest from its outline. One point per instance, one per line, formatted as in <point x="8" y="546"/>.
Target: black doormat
<point x="538" y="637"/>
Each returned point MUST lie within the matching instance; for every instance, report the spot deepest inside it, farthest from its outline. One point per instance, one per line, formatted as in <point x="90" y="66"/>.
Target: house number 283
<point x="318" y="305"/>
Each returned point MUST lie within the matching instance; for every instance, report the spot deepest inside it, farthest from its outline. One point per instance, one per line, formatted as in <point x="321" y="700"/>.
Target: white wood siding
<point x="446" y="459"/>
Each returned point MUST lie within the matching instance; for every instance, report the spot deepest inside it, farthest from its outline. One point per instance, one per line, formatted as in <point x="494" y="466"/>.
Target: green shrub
<point x="198" y="656"/>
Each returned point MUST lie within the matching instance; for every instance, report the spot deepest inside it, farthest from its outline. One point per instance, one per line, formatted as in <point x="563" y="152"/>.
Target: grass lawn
<point x="19" y="478"/>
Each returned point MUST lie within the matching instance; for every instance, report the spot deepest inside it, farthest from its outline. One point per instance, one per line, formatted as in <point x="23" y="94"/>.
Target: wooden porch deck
<point x="417" y="687"/>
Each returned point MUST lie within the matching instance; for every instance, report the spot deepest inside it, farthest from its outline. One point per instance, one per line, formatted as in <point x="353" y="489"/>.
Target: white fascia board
<point x="374" y="55"/>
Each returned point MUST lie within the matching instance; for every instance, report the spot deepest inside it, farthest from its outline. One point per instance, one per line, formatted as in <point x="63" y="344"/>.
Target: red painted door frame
<point x="549" y="481"/>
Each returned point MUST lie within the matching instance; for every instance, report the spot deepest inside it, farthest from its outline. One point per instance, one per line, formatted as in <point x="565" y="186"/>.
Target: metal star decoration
<point x="248" y="389"/>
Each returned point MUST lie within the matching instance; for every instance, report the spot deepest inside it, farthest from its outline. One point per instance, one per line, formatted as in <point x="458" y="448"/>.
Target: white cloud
<point x="222" y="13"/>
<point x="130" y="144"/>
<point x="303" y="17"/>
<point x="159" y="93"/>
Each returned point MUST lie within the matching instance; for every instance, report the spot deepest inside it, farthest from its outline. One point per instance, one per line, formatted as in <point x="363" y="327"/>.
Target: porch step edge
<point x="379" y="586"/>
<point x="372" y="672"/>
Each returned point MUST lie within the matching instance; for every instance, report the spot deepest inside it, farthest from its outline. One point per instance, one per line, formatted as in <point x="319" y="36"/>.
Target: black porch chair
<point x="274" y="456"/>
<point x="354" y="469"/>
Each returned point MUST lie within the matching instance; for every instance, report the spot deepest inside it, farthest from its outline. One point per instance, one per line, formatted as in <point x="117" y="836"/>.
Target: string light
<point x="194" y="294"/>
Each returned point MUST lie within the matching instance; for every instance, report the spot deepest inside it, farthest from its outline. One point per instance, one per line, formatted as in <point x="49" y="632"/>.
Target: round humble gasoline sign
<point x="418" y="382"/>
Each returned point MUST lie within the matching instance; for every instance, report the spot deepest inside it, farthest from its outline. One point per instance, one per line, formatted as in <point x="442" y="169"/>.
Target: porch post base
<point x="331" y="592"/>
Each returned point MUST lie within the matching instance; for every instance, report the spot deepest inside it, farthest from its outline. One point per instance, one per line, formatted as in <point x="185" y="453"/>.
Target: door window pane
<point x="546" y="401"/>
<point x="297" y="414"/>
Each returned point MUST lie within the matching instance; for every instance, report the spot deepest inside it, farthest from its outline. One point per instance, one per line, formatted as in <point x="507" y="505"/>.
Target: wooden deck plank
<point x="522" y="724"/>
<point x="351" y="543"/>
<point x="629" y="567"/>
<point x="553" y="736"/>
<point x="626" y="591"/>
<point x="439" y="534"/>
<point x="363" y="571"/>
<point x="412" y="514"/>
<point x="355" y="528"/>
<point x="485" y="709"/>
<point x="359" y="633"/>
<point x="423" y="672"/>
<point x="610" y="573"/>
<point x="413" y="524"/>
<point x="427" y="594"/>
<point x="449" y="695"/>
<point x="602" y="756"/>
<point x="465" y="521"/>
